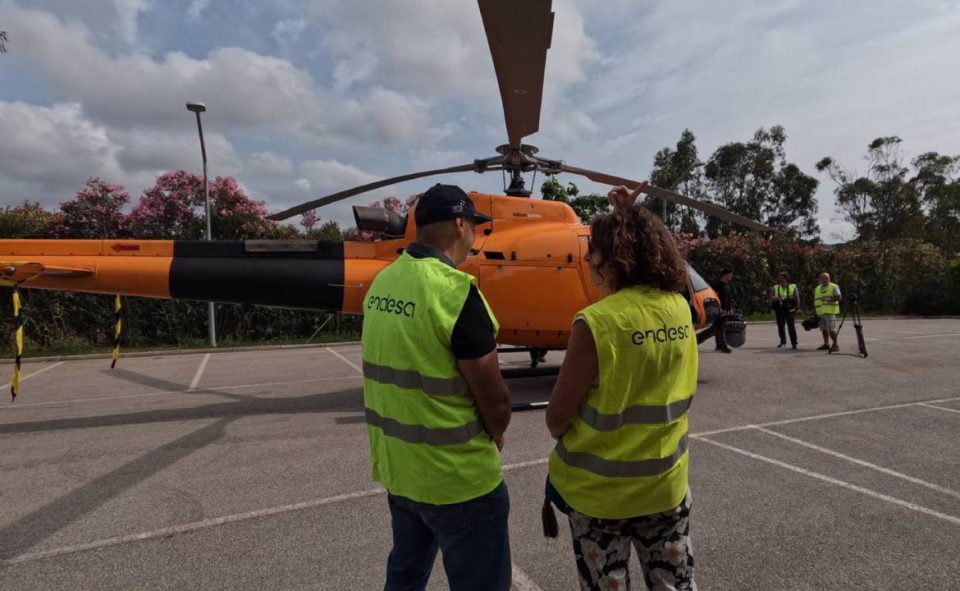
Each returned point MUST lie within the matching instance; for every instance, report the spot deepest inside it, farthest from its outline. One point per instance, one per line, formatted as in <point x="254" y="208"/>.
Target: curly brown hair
<point x="637" y="249"/>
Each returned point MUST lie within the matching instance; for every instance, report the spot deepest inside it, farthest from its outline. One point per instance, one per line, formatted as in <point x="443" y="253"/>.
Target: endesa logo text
<point x="391" y="306"/>
<point x="661" y="335"/>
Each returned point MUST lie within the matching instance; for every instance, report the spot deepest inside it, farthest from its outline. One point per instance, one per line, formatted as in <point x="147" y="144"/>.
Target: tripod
<point x="857" y="324"/>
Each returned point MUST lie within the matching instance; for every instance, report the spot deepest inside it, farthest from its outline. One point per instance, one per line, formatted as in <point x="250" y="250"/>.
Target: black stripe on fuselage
<point x="226" y="271"/>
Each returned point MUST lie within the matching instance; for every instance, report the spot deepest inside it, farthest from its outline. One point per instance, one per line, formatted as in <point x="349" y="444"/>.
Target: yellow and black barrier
<point x="18" y="343"/>
<point x="117" y="329"/>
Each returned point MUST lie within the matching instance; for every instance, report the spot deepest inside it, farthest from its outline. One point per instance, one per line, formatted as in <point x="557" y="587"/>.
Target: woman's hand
<point x="623" y="198"/>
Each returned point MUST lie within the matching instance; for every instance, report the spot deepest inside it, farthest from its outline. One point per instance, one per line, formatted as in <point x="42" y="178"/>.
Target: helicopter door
<point x="534" y="286"/>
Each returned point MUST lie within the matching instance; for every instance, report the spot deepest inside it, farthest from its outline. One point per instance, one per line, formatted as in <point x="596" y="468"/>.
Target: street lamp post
<point x="198" y="108"/>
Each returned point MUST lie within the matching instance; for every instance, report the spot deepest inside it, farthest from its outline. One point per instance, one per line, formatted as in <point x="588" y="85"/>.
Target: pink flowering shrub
<point x="174" y="208"/>
<point x="309" y="219"/>
<point x="95" y="212"/>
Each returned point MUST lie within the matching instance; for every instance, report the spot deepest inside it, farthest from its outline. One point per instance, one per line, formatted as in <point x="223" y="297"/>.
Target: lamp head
<point x="196" y="107"/>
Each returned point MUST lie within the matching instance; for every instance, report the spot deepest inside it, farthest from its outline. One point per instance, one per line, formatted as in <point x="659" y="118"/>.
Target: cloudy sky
<point x="314" y="96"/>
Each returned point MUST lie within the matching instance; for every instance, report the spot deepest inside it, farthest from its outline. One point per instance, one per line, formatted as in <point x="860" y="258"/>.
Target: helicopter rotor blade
<point x="519" y="36"/>
<point x="672" y="197"/>
<point x="304" y="207"/>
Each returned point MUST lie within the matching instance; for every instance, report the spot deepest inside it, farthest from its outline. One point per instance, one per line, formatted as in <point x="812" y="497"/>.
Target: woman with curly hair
<point x="619" y="408"/>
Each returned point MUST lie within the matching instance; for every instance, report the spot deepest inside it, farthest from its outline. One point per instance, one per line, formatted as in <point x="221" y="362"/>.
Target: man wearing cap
<point x="437" y="406"/>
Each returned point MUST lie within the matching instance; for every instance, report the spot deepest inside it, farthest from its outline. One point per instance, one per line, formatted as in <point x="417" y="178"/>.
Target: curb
<point x="166" y="352"/>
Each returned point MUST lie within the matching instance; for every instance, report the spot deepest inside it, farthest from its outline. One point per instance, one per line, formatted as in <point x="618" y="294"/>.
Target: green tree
<point x="586" y="207"/>
<point x="3" y="42"/>
<point x="937" y="184"/>
<point x="329" y="230"/>
<point x="755" y="180"/>
<point x="883" y="203"/>
<point x="27" y="220"/>
<point x="679" y="170"/>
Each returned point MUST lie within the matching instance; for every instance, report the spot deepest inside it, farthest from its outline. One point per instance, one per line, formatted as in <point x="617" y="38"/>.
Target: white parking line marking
<point x="840" y="483"/>
<point x="347" y="361"/>
<point x="940" y="408"/>
<point x="203" y="524"/>
<point x="521" y="581"/>
<point x="864" y="463"/>
<point x="526" y="464"/>
<point x="190" y="527"/>
<point x="199" y="374"/>
<point x="36" y="373"/>
<point x="826" y="416"/>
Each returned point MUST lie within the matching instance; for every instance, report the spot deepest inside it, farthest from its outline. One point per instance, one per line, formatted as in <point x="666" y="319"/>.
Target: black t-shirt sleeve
<point x="473" y="333"/>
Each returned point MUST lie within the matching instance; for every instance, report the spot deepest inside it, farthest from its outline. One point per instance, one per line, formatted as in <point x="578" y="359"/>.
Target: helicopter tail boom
<point x="316" y="275"/>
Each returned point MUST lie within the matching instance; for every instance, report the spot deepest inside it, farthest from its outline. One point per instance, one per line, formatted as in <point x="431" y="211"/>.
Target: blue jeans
<point x="472" y="536"/>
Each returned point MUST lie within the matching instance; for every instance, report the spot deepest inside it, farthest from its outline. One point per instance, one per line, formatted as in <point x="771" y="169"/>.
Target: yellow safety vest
<point x="426" y="440"/>
<point x="822" y="307"/>
<point x="784" y="292"/>
<point x="625" y="454"/>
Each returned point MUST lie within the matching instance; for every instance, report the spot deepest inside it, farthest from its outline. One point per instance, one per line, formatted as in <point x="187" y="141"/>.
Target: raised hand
<point x="623" y="198"/>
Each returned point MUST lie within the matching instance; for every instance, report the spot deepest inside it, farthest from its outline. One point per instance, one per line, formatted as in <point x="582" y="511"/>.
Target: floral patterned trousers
<point x="602" y="549"/>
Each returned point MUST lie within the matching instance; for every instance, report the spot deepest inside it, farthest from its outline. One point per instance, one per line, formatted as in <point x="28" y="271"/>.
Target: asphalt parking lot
<point x="249" y="470"/>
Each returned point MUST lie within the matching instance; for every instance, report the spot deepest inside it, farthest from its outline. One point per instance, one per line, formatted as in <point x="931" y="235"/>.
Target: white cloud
<point x="268" y="163"/>
<point x="355" y="68"/>
<point x="55" y="146"/>
<point x="436" y="48"/>
<point x="241" y="88"/>
<point x="158" y="151"/>
<point x="835" y="76"/>
<point x="414" y="88"/>
<point x="196" y="8"/>
<point x="288" y="30"/>
<point x="128" y="12"/>
<point x="328" y="176"/>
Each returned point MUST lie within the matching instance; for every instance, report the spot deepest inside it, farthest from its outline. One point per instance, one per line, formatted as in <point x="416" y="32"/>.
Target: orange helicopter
<point x="529" y="261"/>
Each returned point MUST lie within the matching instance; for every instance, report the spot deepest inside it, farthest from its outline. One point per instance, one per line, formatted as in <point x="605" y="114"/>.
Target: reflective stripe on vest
<point x="825" y="307"/>
<point x="425" y="435"/>
<point x="634" y="415"/>
<point x="426" y="440"/>
<point x="621" y="469"/>
<point x="625" y="453"/>
<point x="405" y="378"/>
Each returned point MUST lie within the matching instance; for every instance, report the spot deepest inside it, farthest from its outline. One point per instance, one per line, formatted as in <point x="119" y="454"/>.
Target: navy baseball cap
<point x="446" y="202"/>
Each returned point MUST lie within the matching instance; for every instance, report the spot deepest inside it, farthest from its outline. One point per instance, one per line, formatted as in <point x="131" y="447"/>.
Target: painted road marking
<point x="522" y="581"/>
<point x="834" y="481"/>
<point x="206" y="523"/>
<point x="347" y="361"/>
<point x="940" y="407"/>
<point x="199" y="374"/>
<point x="36" y="373"/>
<point x="826" y="416"/>
<point x="864" y="463"/>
